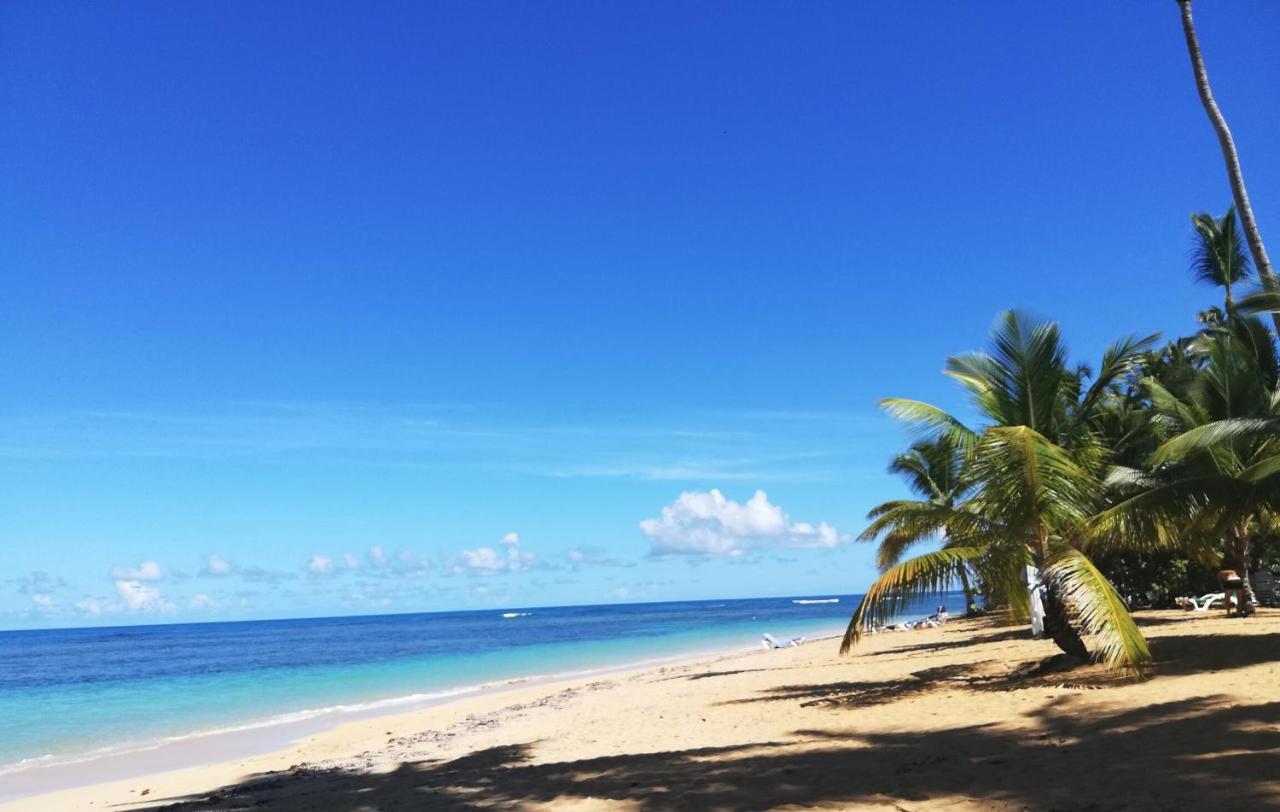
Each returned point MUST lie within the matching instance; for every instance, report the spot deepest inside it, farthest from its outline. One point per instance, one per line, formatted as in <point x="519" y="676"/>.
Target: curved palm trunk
<point x="1057" y="618"/>
<point x="1232" y="158"/>
<point x="1057" y="624"/>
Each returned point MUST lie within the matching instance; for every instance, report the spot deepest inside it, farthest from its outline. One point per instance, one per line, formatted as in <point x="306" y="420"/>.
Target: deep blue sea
<point x="69" y="693"/>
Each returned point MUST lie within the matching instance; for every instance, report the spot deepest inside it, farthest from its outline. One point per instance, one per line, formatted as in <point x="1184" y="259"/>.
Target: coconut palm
<point x="1213" y="486"/>
<point x="1034" y="470"/>
<point x="933" y="470"/>
<point x="1218" y="257"/>
<point x="1235" y="175"/>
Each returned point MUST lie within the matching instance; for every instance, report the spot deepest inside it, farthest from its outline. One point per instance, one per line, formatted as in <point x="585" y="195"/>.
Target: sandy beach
<point x="968" y="716"/>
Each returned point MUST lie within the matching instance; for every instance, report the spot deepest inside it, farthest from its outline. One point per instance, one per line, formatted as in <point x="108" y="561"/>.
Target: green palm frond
<point x="928" y="575"/>
<point x="1217" y="255"/>
<point x="1119" y="359"/>
<point x="1098" y="609"/>
<point x="1263" y="469"/>
<point x="925" y="417"/>
<point x="1212" y="436"/>
<point x="1029" y="482"/>
<point x="1263" y="301"/>
<point x="1160" y="516"/>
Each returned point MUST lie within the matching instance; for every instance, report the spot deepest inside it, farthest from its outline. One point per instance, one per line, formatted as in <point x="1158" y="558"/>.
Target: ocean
<point x="76" y="695"/>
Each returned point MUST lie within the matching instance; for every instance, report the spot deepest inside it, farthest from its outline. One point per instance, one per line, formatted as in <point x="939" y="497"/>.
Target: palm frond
<point x="1159" y="516"/>
<point x="1099" y="610"/>
<point x="928" y="575"/>
<point x="1211" y="436"/>
<point x="1119" y="359"/>
<point x="1263" y="301"/>
<point x="925" y="417"/>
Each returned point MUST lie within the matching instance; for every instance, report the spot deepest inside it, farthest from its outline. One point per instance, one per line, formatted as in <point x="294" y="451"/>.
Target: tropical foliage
<point x="1167" y="455"/>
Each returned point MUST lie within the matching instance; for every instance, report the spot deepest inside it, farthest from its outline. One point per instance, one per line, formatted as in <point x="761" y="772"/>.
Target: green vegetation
<point x="1123" y="487"/>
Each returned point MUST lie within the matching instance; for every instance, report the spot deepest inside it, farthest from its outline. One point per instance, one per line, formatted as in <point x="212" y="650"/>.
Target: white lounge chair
<point x="772" y="642"/>
<point x="1203" y="604"/>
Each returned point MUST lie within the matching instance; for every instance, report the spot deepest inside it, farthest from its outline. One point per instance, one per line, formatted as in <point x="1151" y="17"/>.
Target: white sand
<point x="932" y="719"/>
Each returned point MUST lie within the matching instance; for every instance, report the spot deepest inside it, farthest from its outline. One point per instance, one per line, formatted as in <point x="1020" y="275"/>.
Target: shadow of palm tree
<point x="1177" y="755"/>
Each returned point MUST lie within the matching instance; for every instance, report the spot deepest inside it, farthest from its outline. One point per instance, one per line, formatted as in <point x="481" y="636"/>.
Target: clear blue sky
<point x="284" y="284"/>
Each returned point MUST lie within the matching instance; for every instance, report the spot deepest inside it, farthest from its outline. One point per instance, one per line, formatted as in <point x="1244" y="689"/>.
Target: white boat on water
<point x="817" y="600"/>
<point x="516" y="614"/>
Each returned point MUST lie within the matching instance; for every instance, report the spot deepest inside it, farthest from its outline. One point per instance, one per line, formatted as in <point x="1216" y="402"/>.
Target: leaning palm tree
<point x="1235" y="176"/>
<point x="1034" y="469"/>
<point x="1217" y="256"/>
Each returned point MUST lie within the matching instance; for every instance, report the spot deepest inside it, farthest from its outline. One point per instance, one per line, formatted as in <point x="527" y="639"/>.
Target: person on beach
<point x="1232" y="585"/>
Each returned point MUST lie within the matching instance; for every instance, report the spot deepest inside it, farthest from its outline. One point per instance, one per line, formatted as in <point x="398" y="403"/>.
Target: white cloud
<point x="201" y="601"/>
<point x="43" y="600"/>
<point x="378" y="556"/>
<point x="146" y="571"/>
<point x="350" y="561"/>
<point x="320" y="565"/>
<point x="710" y="524"/>
<point x="489" y="560"/>
<point x="142" y="598"/>
<point x="217" y="565"/>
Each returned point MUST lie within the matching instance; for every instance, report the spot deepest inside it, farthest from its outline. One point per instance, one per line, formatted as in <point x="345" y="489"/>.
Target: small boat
<point x="516" y="614"/>
<point x="805" y="602"/>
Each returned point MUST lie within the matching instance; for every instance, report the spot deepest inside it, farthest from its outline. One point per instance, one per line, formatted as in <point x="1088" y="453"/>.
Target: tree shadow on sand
<point x="1176" y="755"/>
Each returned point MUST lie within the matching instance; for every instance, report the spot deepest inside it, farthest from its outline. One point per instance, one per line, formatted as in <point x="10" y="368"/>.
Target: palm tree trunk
<point x="968" y="593"/>
<point x="1242" y="561"/>
<point x="1057" y="618"/>
<point x="1234" y="174"/>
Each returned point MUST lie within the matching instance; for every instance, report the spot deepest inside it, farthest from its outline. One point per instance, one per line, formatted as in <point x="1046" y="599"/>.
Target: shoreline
<point x="267" y="736"/>
<point x="915" y="720"/>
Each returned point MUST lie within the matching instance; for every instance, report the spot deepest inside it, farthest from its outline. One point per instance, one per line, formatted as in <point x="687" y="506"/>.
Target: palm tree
<point x="1034" y="469"/>
<point x="933" y="470"/>
<point x="1235" y="176"/>
<point x="1218" y="257"/>
<point x="1214" y="482"/>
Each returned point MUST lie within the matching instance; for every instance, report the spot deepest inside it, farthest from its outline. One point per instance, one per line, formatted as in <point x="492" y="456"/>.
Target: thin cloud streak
<point x="735" y="448"/>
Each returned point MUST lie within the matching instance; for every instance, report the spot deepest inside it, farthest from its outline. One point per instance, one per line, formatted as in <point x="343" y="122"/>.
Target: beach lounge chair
<point x="1202" y="604"/>
<point x="772" y="642"/>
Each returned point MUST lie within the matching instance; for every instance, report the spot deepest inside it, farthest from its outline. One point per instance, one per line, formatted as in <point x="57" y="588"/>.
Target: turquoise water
<point x="68" y="693"/>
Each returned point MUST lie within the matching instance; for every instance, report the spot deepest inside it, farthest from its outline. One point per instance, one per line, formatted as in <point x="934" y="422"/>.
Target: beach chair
<point x="1203" y="604"/>
<point x="769" y="641"/>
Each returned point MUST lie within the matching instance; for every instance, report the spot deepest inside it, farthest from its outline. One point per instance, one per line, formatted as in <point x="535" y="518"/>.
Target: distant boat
<point x="817" y="600"/>
<point x="516" y="614"/>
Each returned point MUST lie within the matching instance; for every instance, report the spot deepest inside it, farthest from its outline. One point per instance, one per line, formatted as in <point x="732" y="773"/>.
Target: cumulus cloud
<point x="43" y="600"/>
<point x="488" y="560"/>
<point x="217" y="565"/>
<point x="350" y="561"/>
<point x="320" y="565"/>
<point x="377" y="556"/>
<point x="201" y="601"/>
<point x="710" y="524"/>
<point x="146" y="571"/>
<point x="142" y="598"/>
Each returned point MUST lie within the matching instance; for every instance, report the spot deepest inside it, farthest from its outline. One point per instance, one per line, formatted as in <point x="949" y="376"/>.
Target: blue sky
<point x="317" y="308"/>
